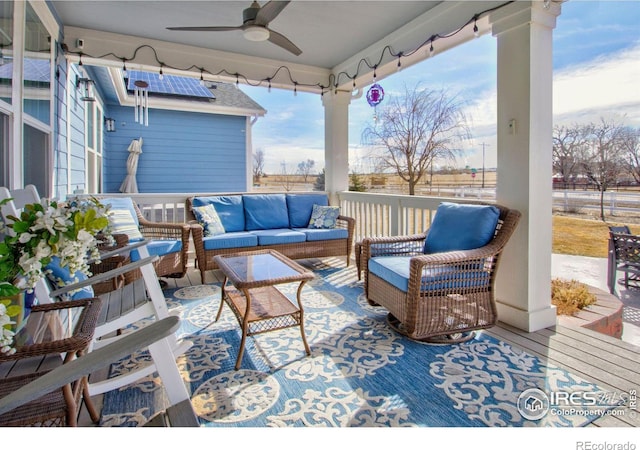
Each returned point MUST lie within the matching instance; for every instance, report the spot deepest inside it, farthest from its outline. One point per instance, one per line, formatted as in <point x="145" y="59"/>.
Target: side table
<point x="53" y="334"/>
<point x="258" y="306"/>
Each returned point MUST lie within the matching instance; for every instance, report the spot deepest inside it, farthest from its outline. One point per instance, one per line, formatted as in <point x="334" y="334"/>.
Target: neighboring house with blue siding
<point x="194" y="142"/>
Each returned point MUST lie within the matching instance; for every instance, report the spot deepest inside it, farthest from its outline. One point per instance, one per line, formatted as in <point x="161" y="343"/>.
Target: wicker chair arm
<point x="409" y="245"/>
<point x="80" y="339"/>
<point x="163" y="230"/>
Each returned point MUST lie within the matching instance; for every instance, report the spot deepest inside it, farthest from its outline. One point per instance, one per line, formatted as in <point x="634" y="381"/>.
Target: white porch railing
<point x="375" y="214"/>
<point x="390" y="214"/>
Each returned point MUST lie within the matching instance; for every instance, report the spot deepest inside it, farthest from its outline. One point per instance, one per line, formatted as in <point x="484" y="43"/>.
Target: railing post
<point x="395" y="217"/>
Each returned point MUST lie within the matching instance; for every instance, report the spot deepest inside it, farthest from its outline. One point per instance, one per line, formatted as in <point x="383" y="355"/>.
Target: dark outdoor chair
<point x="624" y="256"/>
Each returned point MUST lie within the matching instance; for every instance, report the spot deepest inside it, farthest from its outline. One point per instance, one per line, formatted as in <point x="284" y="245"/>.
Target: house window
<point x="36" y="157"/>
<point x="6" y="50"/>
<point x="4" y="149"/>
<point x="93" y="119"/>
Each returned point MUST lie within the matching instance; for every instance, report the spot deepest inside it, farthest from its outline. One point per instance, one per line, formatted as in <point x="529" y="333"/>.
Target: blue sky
<point x="596" y="74"/>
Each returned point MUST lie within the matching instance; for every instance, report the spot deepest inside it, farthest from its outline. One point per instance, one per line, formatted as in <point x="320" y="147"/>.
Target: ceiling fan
<point x="255" y="25"/>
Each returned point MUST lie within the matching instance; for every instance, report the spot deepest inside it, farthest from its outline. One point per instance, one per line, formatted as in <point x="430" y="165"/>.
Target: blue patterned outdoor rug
<point x="360" y="373"/>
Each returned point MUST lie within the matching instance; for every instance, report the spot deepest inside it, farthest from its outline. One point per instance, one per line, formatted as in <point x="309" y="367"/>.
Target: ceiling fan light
<point x="256" y="34"/>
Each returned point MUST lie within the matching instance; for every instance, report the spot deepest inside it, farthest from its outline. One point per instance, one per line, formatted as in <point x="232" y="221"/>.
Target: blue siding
<point x="76" y="132"/>
<point x="181" y="151"/>
<point x="60" y="150"/>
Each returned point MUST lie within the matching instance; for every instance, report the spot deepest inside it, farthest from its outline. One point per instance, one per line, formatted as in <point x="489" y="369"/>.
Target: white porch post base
<point x="527" y="320"/>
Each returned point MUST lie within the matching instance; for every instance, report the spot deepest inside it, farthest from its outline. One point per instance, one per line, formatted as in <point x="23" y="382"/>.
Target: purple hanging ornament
<point x="375" y="95"/>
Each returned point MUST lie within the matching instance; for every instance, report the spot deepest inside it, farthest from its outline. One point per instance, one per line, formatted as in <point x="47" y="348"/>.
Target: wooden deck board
<point x="612" y="364"/>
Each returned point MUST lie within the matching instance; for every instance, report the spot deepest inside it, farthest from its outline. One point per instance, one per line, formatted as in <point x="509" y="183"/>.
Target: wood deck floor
<point x="611" y="363"/>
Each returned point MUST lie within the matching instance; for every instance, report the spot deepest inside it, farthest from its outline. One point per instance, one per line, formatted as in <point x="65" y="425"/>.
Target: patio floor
<point x="611" y="363"/>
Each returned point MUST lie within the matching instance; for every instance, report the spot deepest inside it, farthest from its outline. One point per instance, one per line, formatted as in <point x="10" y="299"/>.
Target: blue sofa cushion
<point x="159" y="247"/>
<point x="324" y="216"/>
<point x="61" y="276"/>
<point x="231" y="240"/>
<point x="461" y="227"/>
<point x="123" y="217"/>
<point x="265" y="212"/>
<point x="279" y="236"/>
<point x="229" y="208"/>
<point x="300" y="207"/>
<point x="324" y="234"/>
<point x="209" y="219"/>
<point x="395" y="270"/>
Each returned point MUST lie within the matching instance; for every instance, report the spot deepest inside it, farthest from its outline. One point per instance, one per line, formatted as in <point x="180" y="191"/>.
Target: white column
<point x="336" y="142"/>
<point x="525" y="126"/>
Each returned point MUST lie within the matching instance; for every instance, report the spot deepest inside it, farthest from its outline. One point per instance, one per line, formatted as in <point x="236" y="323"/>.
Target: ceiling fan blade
<point x="283" y="42"/>
<point x="204" y="28"/>
<point x="270" y="11"/>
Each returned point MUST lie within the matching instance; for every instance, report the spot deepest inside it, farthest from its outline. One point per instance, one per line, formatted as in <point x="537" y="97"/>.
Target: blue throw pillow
<point x="60" y="276"/>
<point x="209" y="219"/>
<point x="461" y="227"/>
<point x="324" y="216"/>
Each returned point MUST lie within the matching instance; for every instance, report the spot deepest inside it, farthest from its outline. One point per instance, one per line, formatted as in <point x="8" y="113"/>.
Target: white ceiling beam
<point x="107" y="49"/>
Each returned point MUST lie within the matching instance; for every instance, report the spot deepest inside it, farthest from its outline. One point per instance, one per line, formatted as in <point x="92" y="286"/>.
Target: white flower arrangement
<point x="66" y="230"/>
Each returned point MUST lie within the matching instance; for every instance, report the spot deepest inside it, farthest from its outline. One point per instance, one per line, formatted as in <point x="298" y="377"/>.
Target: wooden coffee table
<point x="256" y="303"/>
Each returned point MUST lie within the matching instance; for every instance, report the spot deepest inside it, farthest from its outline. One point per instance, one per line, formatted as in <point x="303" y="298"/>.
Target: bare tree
<point x="286" y="179"/>
<point x="568" y="146"/>
<point x="258" y="165"/>
<point x="631" y="150"/>
<point x="603" y="156"/>
<point x="305" y="167"/>
<point x="416" y="129"/>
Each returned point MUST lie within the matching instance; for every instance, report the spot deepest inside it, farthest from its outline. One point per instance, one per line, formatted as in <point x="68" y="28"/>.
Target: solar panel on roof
<point x="169" y="85"/>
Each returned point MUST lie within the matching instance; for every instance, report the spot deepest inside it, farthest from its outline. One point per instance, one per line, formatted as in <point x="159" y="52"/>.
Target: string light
<point x="334" y="79"/>
<point x="269" y="87"/>
<point x="201" y="77"/>
<point x="295" y="88"/>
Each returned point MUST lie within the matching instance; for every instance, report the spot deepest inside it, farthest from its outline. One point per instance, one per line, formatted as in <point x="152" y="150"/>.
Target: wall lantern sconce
<point x="87" y="85"/>
<point x="109" y="124"/>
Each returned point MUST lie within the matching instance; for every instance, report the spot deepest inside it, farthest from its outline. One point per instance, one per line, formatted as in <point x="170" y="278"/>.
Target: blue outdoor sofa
<point x="300" y="225"/>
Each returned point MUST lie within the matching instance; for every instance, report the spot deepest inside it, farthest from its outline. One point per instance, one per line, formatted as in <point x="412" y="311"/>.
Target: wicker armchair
<point x="448" y="295"/>
<point x="172" y="265"/>
<point x="107" y="264"/>
<point x="169" y="241"/>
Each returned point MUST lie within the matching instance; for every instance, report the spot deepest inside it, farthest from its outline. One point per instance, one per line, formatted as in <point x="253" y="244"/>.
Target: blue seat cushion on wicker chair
<point x="461" y="227"/>
<point x="61" y="276"/>
<point x="230" y="210"/>
<point x="279" y="236"/>
<point x="230" y="240"/>
<point x="300" y="207"/>
<point x="159" y="247"/>
<point x="265" y="212"/>
<point x="324" y="234"/>
<point x="395" y="270"/>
